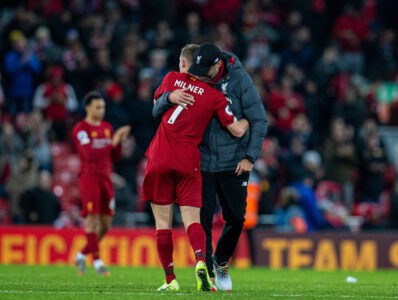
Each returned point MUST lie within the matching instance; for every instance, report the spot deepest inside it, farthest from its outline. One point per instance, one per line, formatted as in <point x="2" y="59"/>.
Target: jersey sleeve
<point x="164" y="87"/>
<point x="223" y="111"/>
<point x="116" y="152"/>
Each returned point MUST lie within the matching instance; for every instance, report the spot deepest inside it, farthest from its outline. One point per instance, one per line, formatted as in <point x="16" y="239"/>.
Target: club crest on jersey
<point x="107" y="132"/>
<point x="228" y="110"/>
<point x="224" y="88"/>
<point x="198" y="59"/>
<point x="82" y="136"/>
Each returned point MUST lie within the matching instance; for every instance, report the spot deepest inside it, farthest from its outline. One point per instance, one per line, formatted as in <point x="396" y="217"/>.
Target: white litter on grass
<point x="351" y="279"/>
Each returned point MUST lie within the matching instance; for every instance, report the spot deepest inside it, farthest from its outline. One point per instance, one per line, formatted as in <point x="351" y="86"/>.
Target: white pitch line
<point x="186" y="294"/>
<point x="110" y="293"/>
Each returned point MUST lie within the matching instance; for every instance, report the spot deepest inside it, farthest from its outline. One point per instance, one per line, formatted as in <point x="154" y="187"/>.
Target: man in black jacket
<point x="226" y="160"/>
<point x="39" y="204"/>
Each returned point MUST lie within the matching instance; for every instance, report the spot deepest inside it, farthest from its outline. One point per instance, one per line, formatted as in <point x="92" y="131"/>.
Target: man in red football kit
<point x="97" y="147"/>
<point x="173" y="169"/>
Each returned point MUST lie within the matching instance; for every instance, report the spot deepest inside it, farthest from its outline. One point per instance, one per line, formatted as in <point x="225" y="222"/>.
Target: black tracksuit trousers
<point x="232" y="192"/>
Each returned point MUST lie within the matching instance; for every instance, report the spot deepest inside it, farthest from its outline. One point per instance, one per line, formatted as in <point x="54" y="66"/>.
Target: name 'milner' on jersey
<point x="177" y="139"/>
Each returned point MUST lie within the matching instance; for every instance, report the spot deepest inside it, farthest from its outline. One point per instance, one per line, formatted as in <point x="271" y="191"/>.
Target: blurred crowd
<point x="326" y="71"/>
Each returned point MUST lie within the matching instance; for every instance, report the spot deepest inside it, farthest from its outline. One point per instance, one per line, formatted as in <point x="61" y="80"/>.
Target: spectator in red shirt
<point x="350" y="30"/>
<point x="46" y="8"/>
<point x="285" y="105"/>
<point x="56" y="98"/>
<point x="226" y="11"/>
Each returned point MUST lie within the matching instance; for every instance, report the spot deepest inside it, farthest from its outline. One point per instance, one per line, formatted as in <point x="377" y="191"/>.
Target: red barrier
<point x="122" y="247"/>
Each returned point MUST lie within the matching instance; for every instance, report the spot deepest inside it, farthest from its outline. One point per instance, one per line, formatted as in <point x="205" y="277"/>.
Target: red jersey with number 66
<point x="177" y="139"/>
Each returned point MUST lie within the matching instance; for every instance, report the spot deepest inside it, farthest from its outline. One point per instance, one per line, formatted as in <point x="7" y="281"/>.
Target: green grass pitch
<point x="56" y="282"/>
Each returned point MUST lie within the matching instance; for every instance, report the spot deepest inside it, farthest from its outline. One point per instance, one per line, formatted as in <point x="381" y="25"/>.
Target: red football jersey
<point x="94" y="146"/>
<point x="177" y="139"/>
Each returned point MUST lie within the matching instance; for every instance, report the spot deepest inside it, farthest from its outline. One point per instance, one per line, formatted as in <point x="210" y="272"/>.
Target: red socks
<point x="197" y="238"/>
<point x="164" y="242"/>
<point x="92" y="245"/>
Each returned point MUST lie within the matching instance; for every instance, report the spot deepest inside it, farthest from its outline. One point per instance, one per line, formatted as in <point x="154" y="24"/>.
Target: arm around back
<point x="161" y="105"/>
<point x="238" y="128"/>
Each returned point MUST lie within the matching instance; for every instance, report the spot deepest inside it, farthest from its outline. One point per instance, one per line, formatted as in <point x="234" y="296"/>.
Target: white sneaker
<point x="80" y="261"/>
<point x="100" y="269"/>
<point x="223" y="280"/>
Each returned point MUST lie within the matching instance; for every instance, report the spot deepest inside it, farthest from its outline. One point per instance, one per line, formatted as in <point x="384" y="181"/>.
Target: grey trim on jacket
<point x="220" y="150"/>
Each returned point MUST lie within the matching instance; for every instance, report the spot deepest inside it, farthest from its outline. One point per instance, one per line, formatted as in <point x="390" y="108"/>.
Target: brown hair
<point x="188" y="50"/>
<point x="90" y="96"/>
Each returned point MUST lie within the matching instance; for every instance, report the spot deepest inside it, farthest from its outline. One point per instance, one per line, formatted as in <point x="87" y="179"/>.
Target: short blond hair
<point x="188" y="50"/>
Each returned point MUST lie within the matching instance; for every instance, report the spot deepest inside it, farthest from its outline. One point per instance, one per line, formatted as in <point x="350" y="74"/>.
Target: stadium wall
<point x="137" y="247"/>
<point x="121" y="247"/>
<point x="326" y="251"/>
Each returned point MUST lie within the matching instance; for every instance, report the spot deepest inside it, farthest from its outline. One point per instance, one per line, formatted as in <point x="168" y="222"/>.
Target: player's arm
<point x="161" y="98"/>
<point x="228" y="120"/>
<point x="169" y="99"/>
<point x="118" y="137"/>
<point x="161" y="105"/>
<point x="238" y="128"/>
